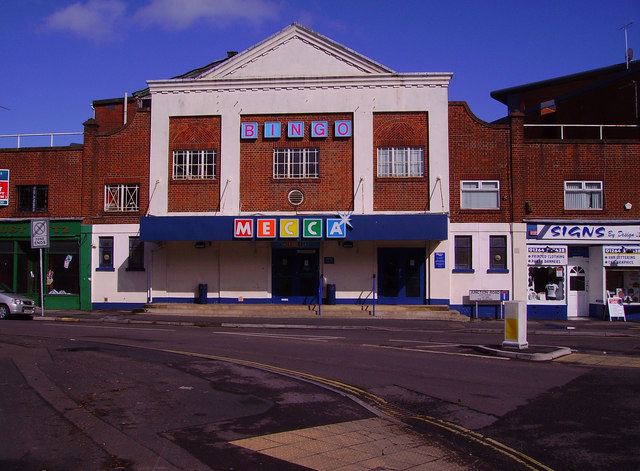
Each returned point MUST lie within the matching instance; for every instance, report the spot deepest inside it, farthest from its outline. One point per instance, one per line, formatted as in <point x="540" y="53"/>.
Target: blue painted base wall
<point x="292" y="301"/>
<point x="538" y="311"/>
<point x="484" y="311"/>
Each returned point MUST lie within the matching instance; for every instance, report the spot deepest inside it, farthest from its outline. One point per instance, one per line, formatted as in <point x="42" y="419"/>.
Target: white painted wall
<point x="461" y="283"/>
<point x="120" y="285"/>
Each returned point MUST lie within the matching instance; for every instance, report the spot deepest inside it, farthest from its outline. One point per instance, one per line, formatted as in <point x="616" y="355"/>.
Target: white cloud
<point x="97" y="20"/>
<point x="103" y="20"/>
<point x="176" y="15"/>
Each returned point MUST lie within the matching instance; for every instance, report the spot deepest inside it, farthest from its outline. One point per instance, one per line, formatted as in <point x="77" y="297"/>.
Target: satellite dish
<point x="629" y="54"/>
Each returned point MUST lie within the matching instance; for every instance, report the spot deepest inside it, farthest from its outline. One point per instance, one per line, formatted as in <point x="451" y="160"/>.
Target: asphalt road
<point x="74" y="394"/>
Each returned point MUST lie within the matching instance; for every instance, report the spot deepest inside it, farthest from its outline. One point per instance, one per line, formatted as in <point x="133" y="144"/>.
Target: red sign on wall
<point x="4" y="187"/>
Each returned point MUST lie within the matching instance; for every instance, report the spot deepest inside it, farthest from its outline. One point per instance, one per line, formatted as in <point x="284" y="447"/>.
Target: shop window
<point x="624" y="283"/>
<point x="546" y="283"/>
<point x="194" y="164"/>
<point x="105" y="250"/>
<point x="296" y="163"/>
<point x="63" y="272"/>
<point x="497" y="254"/>
<point x="463" y="254"/>
<point x="582" y="195"/>
<point x="122" y="197"/>
<point x="401" y="161"/>
<point x="136" y="254"/>
<point x="33" y="198"/>
<point x="480" y="194"/>
<point x="6" y="264"/>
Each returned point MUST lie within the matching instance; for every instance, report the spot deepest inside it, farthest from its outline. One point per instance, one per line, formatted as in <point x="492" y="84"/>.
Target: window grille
<point x="400" y="161"/>
<point x="121" y="197"/>
<point x="194" y="164"/>
<point x="296" y="163"/>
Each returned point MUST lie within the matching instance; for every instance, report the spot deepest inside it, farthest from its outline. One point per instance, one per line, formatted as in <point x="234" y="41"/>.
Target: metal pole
<point x="373" y="294"/>
<point x="41" y="286"/>
<point x="626" y="42"/>
<point x="320" y="294"/>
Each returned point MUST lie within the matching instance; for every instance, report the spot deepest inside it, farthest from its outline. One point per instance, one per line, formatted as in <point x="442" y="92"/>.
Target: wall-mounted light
<point x="200" y="244"/>
<point x="628" y="206"/>
<point x="528" y="207"/>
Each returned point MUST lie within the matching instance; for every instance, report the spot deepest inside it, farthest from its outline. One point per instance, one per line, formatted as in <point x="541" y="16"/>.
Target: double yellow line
<point x="382" y="405"/>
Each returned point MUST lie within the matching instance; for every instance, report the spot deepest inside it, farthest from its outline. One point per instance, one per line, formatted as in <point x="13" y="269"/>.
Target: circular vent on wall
<point x="296" y="197"/>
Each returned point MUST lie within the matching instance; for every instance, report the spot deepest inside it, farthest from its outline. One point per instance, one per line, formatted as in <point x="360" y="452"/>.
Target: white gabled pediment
<point x="295" y="52"/>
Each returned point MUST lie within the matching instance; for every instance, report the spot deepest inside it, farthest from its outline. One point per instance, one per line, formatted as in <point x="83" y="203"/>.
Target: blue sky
<point x="58" y="56"/>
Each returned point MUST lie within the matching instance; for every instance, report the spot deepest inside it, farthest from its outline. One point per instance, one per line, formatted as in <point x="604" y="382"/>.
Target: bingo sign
<point x="4" y="187"/>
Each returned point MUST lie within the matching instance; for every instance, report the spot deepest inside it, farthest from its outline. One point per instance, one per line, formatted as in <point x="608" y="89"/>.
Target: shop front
<point x="65" y="263"/>
<point x="622" y="276"/>
<point x="574" y="268"/>
<point x="344" y="259"/>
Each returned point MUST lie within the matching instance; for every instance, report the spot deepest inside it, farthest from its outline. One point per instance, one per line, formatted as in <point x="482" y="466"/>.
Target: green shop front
<point x="66" y="263"/>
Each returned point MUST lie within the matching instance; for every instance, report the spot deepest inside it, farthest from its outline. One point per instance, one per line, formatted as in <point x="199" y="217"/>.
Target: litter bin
<point x="202" y="293"/>
<point x="331" y="294"/>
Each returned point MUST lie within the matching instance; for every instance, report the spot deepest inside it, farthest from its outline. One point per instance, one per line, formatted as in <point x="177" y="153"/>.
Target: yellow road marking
<point x="384" y="406"/>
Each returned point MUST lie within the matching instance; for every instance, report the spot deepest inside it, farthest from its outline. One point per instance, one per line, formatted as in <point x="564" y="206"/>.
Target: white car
<point x="12" y="304"/>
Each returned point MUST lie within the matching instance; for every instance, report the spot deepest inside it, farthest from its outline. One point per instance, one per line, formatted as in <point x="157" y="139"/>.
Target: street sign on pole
<point x="39" y="233"/>
<point x="40" y="240"/>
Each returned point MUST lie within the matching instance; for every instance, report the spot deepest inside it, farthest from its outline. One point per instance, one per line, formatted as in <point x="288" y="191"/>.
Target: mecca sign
<point x="4" y="187"/>
<point x="291" y="228"/>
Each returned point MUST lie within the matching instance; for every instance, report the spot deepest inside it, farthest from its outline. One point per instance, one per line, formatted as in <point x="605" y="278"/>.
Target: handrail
<point x="50" y="134"/>
<point x="562" y="126"/>
<point x="373" y="295"/>
<point x="320" y="294"/>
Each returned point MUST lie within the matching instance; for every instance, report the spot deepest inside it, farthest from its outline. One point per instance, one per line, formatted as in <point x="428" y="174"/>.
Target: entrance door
<point x="295" y="276"/>
<point x="577" y="301"/>
<point x="401" y="276"/>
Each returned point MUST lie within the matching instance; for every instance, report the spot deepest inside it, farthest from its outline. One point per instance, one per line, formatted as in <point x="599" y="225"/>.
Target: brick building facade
<point x="67" y="186"/>
<point x="566" y="209"/>
<point x="265" y="180"/>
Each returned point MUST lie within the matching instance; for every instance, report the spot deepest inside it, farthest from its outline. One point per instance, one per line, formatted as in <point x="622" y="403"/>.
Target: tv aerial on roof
<point x="628" y="52"/>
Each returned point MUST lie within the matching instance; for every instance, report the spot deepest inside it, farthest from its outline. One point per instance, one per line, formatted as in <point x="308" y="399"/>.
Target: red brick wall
<point x="394" y="193"/>
<point x="549" y="165"/>
<point x="194" y="133"/>
<point x="115" y="157"/>
<point x="477" y="151"/>
<point x="332" y="191"/>
<point x="59" y="168"/>
<point x="110" y="116"/>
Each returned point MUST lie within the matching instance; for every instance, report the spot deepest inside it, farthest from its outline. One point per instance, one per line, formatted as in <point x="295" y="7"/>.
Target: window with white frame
<point x="296" y="163"/>
<point x="194" y="164"/>
<point x="480" y="194"/>
<point x="400" y="161"/>
<point x="122" y="197"/>
<point x="582" y="195"/>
